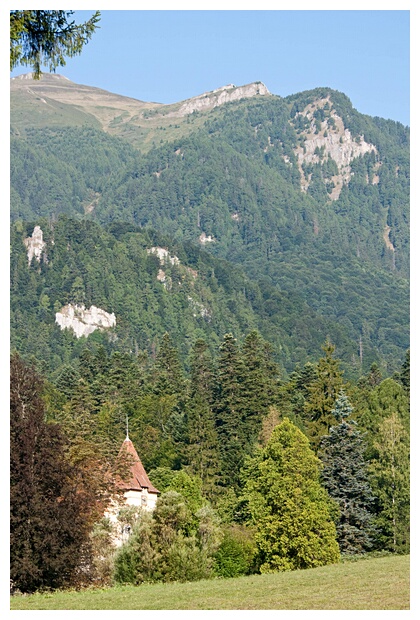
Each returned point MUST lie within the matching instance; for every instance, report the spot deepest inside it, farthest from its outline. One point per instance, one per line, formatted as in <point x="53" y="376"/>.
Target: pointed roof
<point x="139" y="479"/>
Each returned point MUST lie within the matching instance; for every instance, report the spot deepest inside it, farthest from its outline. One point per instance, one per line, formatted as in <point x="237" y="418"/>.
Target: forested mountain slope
<point x="152" y="286"/>
<point x="306" y="195"/>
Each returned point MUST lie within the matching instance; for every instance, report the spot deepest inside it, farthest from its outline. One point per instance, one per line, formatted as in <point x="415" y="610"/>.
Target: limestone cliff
<point x="163" y="255"/>
<point x="82" y="321"/>
<point x="224" y="94"/>
<point x="35" y="245"/>
<point x="329" y="138"/>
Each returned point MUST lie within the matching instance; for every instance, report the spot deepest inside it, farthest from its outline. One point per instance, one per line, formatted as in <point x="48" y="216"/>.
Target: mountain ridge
<point x="117" y="114"/>
<point x="303" y="193"/>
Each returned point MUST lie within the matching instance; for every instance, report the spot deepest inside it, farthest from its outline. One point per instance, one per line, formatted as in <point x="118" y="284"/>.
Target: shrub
<point x="237" y="554"/>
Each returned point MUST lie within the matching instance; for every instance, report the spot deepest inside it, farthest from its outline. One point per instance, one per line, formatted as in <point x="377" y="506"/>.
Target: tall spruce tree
<point x="289" y="507"/>
<point x="323" y="392"/>
<point x="259" y="385"/>
<point x="168" y="376"/>
<point x="345" y="476"/>
<point x="161" y="410"/>
<point x="229" y="409"/>
<point x="295" y="391"/>
<point x="202" y="449"/>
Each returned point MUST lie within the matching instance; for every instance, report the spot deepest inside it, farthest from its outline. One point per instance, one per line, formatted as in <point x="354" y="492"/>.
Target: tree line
<point x="258" y="471"/>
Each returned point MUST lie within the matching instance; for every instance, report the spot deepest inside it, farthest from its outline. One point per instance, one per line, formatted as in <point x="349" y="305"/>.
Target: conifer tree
<point x="294" y="393"/>
<point x="290" y="510"/>
<point x="404" y="376"/>
<point x="259" y="386"/>
<point x="202" y="449"/>
<point x="229" y="410"/>
<point x="323" y="392"/>
<point x="168" y="376"/>
<point x="345" y="476"/>
<point x="405" y="372"/>
<point x="47" y="37"/>
<point x="158" y="418"/>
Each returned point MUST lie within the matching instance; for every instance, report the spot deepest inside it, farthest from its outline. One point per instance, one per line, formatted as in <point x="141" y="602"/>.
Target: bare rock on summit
<point x="224" y="94"/>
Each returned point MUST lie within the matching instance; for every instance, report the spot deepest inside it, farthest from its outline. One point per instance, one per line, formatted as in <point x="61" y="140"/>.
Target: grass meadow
<point x="374" y="583"/>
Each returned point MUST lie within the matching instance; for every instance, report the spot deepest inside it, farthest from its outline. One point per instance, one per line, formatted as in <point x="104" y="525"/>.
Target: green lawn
<point x="379" y="583"/>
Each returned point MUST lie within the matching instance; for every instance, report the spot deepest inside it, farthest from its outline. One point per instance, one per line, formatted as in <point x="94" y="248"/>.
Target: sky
<point x="167" y="55"/>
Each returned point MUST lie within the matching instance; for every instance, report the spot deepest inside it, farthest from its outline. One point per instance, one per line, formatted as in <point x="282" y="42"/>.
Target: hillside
<point x="307" y="197"/>
<point x="56" y="101"/>
<point x="150" y="285"/>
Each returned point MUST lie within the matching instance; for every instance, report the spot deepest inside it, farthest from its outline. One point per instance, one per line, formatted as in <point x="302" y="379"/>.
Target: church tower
<point x="138" y="490"/>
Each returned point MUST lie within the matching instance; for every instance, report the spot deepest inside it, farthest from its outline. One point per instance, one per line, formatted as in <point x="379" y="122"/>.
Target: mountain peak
<point x="221" y="95"/>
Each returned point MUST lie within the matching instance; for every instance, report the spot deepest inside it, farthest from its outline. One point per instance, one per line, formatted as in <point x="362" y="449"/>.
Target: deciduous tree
<point x="52" y="511"/>
<point x="390" y="475"/>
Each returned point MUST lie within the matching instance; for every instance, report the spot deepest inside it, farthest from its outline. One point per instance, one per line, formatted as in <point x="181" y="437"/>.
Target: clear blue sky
<point x="171" y="55"/>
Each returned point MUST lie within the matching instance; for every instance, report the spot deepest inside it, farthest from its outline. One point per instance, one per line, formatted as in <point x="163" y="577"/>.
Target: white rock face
<point x="204" y="239"/>
<point x="338" y="143"/>
<point x="35" y="245"/>
<point x="163" y="255"/>
<point x="83" y="322"/>
<point x="220" y="96"/>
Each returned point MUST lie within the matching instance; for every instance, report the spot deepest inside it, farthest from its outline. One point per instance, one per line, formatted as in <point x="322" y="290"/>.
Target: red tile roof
<point x="139" y="479"/>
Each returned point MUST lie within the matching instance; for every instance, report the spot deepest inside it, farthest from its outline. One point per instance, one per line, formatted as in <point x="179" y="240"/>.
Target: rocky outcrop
<point x="325" y="140"/>
<point x="82" y="321"/>
<point x="203" y="238"/>
<point x="35" y="245"/>
<point x="163" y="255"/>
<point x="224" y="94"/>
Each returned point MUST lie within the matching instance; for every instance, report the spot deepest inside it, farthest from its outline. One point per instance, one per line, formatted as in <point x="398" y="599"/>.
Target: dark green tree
<point x="345" y="476"/>
<point x="259" y="385"/>
<point x="167" y="374"/>
<point x="372" y="379"/>
<point x="202" y="448"/>
<point x="295" y="391"/>
<point x="289" y="507"/>
<point x="404" y="375"/>
<point x="229" y="409"/>
<point x="323" y="392"/>
<point x="46" y="37"/>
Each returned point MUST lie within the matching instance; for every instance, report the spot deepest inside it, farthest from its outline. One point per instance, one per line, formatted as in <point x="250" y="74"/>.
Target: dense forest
<point x="258" y="351"/>
<point x="257" y="472"/>
<point x="236" y="180"/>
